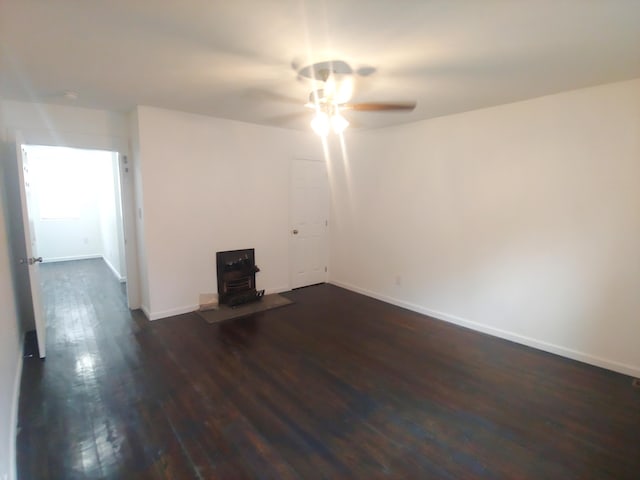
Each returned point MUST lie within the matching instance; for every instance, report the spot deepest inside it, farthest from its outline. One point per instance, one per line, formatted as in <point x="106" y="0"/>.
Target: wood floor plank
<point x="337" y="385"/>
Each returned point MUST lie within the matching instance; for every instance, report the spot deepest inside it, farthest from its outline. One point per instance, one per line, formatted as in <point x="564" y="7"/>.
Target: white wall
<point x="521" y="220"/>
<point x="110" y="215"/>
<point x="70" y="239"/>
<point x="65" y="126"/>
<point x="10" y="348"/>
<point x="209" y="185"/>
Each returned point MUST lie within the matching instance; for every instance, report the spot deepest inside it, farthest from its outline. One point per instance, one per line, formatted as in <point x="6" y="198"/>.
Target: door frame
<point x="125" y="184"/>
<point x="127" y="205"/>
<point x="17" y="238"/>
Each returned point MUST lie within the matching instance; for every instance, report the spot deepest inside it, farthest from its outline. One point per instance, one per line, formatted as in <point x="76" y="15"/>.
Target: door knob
<point x="295" y="232"/>
<point x="33" y="260"/>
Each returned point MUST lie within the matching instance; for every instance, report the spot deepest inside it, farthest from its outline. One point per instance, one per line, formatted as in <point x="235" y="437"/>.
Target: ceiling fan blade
<point x="321" y="70"/>
<point x="366" y="70"/>
<point x="379" y="107"/>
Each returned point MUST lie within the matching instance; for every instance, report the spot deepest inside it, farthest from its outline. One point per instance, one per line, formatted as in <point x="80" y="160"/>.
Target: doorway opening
<point x="76" y="208"/>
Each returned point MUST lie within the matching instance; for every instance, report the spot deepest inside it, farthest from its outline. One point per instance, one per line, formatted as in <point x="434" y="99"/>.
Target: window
<point x="64" y="180"/>
<point x="60" y="195"/>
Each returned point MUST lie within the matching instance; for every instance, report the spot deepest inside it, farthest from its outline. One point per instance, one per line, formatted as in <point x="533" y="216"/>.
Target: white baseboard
<point x="120" y="278"/>
<point x="269" y="291"/>
<point x="13" y="431"/>
<point x="113" y="269"/>
<point x="192" y="308"/>
<point x="170" y="313"/>
<point x="613" y="365"/>
<point x="68" y="259"/>
<point x="146" y="311"/>
<point x="136" y="306"/>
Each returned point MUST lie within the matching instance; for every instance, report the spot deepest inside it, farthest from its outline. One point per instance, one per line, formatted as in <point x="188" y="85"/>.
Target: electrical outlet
<point x="398" y="280"/>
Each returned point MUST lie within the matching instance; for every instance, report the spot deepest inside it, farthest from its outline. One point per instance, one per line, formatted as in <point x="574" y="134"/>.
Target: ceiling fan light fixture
<point x="344" y="90"/>
<point x="333" y="84"/>
<point x="320" y="124"/>
<point x="339" y="123"/>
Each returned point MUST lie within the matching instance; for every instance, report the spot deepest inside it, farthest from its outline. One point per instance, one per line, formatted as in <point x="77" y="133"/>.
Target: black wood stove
<point x="237" y="277"/>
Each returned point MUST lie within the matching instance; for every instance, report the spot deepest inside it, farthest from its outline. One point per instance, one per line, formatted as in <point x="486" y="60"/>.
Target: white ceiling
<point x="233" y="58"/>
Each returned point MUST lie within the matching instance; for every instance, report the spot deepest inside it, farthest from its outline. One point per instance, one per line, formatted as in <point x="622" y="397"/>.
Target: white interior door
<point x="309" y="223"/>
<point x="32" y="261"/>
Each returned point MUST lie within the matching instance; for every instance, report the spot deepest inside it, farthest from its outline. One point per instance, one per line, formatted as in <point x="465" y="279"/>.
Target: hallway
<point x="72" y="419"/>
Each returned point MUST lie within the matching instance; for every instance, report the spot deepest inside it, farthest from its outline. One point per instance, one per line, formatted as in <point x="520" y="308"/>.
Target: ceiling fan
<point x="334" y="81"/>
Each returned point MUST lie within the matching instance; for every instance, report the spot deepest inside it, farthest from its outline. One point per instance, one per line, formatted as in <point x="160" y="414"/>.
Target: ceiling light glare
<point x="339" y="123"/>
<point x="330" y="86"/>
<point x="320" y="124"/>
<point x="344" y="91"/>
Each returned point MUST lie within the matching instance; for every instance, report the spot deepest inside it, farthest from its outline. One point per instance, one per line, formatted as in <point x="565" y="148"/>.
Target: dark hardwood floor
<point x="337" y="385"/>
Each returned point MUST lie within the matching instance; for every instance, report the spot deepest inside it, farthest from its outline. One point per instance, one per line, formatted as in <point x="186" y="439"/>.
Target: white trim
<point x="170" y="312"/>
<point x="192" y="308"/>
<point x="269" y="291"/>
<point x="67" y="259"/>
<point x="146" y="312"/>
<point x="113" y="269"/>
<point x="129" y="228"/>
<point x="136" y="306"/>
<point x="625" y="369"/>
<point x="13" y="430"/>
